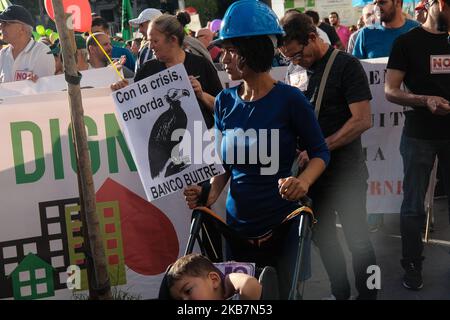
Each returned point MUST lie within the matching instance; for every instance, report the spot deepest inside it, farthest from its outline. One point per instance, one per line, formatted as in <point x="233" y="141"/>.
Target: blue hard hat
<point x="246" y="18"/>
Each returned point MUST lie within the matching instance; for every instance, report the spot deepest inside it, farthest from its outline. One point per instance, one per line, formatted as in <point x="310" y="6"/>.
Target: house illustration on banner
<point x="32" y="279"/>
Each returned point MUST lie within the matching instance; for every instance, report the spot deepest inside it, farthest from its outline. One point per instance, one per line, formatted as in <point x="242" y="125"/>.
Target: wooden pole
<point x="99" y="285"/>
<point x="429" y="200"/>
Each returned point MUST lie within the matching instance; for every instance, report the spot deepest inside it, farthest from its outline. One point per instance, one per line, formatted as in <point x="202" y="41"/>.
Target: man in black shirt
<point x="425" y="71"/>
<point x="344" y="116"/>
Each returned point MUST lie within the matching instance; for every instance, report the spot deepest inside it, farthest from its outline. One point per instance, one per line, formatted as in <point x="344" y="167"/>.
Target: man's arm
<point x="359" y="122"/>
<point x="394" y="93"/>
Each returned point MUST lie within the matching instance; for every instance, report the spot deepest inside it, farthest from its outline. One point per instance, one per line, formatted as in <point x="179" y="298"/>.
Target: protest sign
<point x="381" y="144"/>
<point x="165" y="130"/>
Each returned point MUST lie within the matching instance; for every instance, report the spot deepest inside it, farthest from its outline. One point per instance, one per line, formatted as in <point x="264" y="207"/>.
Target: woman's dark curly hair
<point x="184" y="18"/>
<point x="257" y="52"/>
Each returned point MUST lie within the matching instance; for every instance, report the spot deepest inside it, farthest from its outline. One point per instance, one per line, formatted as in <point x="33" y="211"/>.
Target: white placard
<point x="165" y="129"/>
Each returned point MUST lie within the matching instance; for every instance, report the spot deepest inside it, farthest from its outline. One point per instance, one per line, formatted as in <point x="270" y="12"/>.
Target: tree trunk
<point x="99" y="286"/>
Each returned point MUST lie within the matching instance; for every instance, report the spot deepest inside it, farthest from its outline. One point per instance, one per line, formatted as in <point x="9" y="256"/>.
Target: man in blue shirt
<point x="376" y="43"/>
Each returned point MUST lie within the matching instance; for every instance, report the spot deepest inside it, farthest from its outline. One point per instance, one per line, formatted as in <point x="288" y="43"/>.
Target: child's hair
<point x="194" y="265"/>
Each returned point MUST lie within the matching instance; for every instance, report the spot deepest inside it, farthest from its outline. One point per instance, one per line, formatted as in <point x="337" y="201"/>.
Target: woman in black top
<point x="166" y="36"/>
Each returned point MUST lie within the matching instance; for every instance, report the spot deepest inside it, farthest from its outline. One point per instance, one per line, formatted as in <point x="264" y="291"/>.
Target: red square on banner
<point x="113" y="259"/>
<point x="108" y="213"/>
<point x="111" y="244"/>
<point x="110" y="228"/>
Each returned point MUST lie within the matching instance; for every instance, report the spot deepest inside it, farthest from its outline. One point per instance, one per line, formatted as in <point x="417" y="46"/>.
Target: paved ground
<point x="436" y="273"/>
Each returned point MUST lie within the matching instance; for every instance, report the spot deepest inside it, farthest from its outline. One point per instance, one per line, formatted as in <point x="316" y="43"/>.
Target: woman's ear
<point x="241" y="63"/>
<point x="173" y="39"/>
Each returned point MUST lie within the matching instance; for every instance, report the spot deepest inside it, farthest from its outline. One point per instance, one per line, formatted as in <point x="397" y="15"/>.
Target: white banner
<point x="92" y="78"/>
<point x="40" y="201"/>
<point x="381" y="143"/>
<point x="165" y="129"/>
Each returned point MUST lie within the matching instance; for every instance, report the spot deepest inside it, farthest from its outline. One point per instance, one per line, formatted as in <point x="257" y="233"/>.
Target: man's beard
<point x="443" y="23"/>
<point x="105" y="60"/>
<point x="387" y="16"/>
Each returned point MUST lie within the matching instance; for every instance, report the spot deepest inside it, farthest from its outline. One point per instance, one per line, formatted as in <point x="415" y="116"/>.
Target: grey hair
<point x="28" y="30"/>
<point x="170" y="26"/>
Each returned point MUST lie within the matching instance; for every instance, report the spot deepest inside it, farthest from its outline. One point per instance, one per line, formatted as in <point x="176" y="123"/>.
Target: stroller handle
<point x="306" y="201"/>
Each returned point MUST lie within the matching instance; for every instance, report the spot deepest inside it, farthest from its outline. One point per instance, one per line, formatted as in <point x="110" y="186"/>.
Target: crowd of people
<point x="318" y="115"/>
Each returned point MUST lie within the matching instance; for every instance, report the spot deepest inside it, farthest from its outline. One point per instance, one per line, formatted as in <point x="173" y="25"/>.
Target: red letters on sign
<point x="80" y="10"/>
<point x="22" y="75"/>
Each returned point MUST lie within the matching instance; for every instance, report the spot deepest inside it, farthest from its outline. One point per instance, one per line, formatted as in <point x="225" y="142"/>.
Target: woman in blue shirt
<point x="258" y="124"/>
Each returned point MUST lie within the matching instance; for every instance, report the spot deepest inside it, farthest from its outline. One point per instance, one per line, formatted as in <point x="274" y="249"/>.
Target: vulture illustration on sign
<point x="160" y="144"/>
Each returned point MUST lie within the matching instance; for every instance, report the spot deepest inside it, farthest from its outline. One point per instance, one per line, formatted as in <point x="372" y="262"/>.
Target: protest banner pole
<point x="429" y="200"/>
<point x="99" y="285"/>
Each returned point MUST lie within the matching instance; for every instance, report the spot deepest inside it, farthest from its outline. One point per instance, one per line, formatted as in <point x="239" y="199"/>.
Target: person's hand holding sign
<point x="120" y="62"/>
<point x="33" y="77"/>
<point x="119" y="85"/>
<point x="196" y="86"/>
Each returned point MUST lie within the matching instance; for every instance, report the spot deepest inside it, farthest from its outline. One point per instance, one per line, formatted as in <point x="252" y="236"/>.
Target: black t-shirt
<point x="331" y="32"/>
<point x="425" y="59"/>
<point x="347" y="83"/>
<point x="195" y="66"/>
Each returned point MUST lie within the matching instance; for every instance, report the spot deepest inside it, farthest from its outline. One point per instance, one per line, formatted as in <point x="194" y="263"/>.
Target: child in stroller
<point x="195" y="277"/>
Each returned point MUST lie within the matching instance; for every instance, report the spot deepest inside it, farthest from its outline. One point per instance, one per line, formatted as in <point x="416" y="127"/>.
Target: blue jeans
<point x="418" y="159"/>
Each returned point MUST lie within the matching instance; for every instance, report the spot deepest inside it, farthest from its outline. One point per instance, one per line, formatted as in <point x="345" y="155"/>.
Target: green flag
<point x="4" y="4"/>
<point x="127" y="14"/>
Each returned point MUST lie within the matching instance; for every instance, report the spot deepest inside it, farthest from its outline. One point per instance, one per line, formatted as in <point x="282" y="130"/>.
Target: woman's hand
<point x="293" y="189"/>
<point x="119" y="85"/>
<point x="197" y="87"/>
<point x="192" y="195"/>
